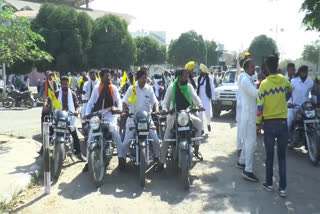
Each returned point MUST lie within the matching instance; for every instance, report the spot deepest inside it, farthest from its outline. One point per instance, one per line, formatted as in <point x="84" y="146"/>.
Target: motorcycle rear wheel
<point x="314" y="149"/>
<point x="8" y="102"/>
<point x="96" y="167"/>
<point x="57" y="159"/>
<point x="142" y="173"/>
<point x="28" y="103"/>
<point x="184" y="156"/>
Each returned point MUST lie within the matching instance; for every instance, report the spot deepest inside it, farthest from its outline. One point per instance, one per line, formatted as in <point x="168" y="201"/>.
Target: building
<point x="160" y="36"/>
<point x="30" y="9"/>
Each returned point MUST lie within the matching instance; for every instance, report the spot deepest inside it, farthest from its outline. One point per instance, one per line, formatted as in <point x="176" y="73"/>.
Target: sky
<point x="233" y="23"/>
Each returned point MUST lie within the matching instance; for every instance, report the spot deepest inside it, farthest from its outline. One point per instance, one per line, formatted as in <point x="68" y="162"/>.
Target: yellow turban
<point x="190" y="65"/>
<point x="247" y="54"/>
<point x="204" y="68"/>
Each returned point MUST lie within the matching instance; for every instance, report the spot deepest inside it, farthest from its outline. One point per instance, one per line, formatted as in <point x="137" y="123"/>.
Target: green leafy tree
<point x="189" y="46"/>
<point x="68" y="35"/>
<point x="260" y="47"/>
<point x="112" y="45"/>
<point x="149" y="51"/>
<point x="17" y="41"/>
<point x="311" y="53"/>
<point x="312" y="18"/>
<point x="212" y="54"/>
<point x="20" y="67"/>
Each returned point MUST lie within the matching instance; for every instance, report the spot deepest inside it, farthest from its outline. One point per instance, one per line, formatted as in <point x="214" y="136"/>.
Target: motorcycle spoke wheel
<point x="7" y="103"/>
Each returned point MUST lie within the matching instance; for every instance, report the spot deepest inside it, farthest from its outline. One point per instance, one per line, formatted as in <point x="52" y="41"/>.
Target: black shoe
<point x="240" y="166"/>
<point x="239" y="152"/>
<point x="122" y="163"/>
<point x="158" y="167"/>
<point x="267" y="187"/>
<point x="85" y="169"/>
<point x="41" y="151"/>
<point x="249" y="176"/>
<point x="209" y="128"/>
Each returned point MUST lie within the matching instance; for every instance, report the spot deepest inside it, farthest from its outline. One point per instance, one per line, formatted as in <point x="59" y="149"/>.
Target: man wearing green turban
<point x="180" y="95"/>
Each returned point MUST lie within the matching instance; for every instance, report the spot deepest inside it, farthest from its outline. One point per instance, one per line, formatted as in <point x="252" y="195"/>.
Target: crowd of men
<point x="266" y="101"/>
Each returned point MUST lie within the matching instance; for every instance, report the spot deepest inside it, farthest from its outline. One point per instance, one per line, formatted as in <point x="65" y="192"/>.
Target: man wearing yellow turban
<point x="190" y="68"/>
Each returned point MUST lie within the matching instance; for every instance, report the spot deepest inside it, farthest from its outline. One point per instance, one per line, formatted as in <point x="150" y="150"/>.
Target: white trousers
<point x="208" y="119"/>
<point x="122" y="152"/>
<point x="249" y="146"/>
<point x="239" y="141"/>
<point x="115" y="136"/>
<point x="290" y="116"/>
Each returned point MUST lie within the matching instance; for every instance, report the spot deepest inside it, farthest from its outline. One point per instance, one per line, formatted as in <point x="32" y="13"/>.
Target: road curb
<point x="22" y="183"/>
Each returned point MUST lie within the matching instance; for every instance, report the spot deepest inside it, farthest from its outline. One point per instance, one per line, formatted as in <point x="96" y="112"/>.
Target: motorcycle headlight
<point x="94" y="122"/>
<point x="142" y="126"/>
<point x="62" y="124"/>
<point x="183" y="119"/>
<point x="310" y="114"/>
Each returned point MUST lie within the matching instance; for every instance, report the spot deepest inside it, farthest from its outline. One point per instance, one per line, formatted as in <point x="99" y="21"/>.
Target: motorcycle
<point x="306" y="131"/>
<point x="140" y="150"/>
<point x="180" y="150"/>
<point x="100" y="148"/>
<point x="60" y="140"/>
<point x="18" y="98"/>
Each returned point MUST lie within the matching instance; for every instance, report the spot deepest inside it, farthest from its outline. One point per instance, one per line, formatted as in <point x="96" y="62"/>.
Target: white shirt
<point x="300" y="90"/>
<point x="87" y="88"/>
<point x="146" y="99"/>
<point x="95" y="95"/>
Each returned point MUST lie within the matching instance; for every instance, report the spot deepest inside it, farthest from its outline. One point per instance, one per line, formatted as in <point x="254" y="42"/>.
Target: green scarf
<point x="184" y="89"/>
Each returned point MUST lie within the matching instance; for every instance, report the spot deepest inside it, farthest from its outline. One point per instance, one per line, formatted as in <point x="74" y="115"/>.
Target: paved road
<point x="217" y="185"/>
<point x="20" y="121"/>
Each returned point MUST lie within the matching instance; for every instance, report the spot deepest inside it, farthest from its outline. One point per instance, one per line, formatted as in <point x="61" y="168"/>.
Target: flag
<point x="70" y="80"/>
<point x="99" y="77"/>
<point x="54" y="100"/>
<point x="124" y="78"/>
<point x="133" y="96"/>
<point x="56" y="77"/>
<point x="80" y="81"/>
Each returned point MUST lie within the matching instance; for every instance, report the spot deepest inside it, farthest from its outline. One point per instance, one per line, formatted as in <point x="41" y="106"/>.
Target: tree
<point x="112" y="45"/>
<point x="312" y="18"/>
<point x="311" y="53"/>
<point x="212" y="55"/>
<point x="149" y="51"/>
<point x="189" y="46"/>
<point x="260" y="47"/>
<point x="18" y="41"/>
<point x="68" y="35"/>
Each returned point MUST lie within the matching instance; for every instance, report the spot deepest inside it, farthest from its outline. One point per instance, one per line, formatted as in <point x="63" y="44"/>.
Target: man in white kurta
<point x="301" y="88"/>
<point x="206" y="93"/>
<point x="247" y="129"/>
<point x="238" y="115"/>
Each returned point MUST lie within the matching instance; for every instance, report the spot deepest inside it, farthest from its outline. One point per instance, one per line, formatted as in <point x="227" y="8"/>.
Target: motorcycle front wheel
<point x="314" y="148"/>
<point x="8" y="102"/>
<point x="57" y="159"/>
<point x="28" y="102"/>
<point x="96" y="166"/>
<point x="143" y="165"/>
<point x="185" y="159"/>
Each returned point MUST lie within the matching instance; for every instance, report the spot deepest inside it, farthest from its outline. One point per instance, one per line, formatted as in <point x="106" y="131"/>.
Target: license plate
<point x="183" y="128"/>
<point x="227" y="103"/>
<point x="144" y="133"/>
<point x="311" y="121"/>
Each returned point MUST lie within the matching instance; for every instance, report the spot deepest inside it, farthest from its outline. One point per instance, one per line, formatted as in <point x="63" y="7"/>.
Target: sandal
<point x="198" y="156"/>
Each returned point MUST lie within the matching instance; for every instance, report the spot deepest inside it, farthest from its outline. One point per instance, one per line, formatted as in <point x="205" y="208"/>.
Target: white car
<point x="226" y="94"/>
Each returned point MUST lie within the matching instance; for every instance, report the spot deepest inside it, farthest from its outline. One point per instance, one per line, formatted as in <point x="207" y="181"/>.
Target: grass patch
<point x="8" y="207"/>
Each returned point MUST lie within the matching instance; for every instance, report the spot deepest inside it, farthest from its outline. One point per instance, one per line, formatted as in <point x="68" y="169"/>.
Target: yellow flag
<point x="69" y="80"/>
<point x="124" y="78"/>
<point x="54" y="100"/>
<point x="133" y="96"/>
<point x="56" y="77"/>
<point x="99" y="77"/>
<point x="80" y="81"/>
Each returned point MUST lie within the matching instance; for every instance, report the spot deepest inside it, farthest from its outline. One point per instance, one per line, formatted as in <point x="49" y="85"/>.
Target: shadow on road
<point x="226" y="117"/>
